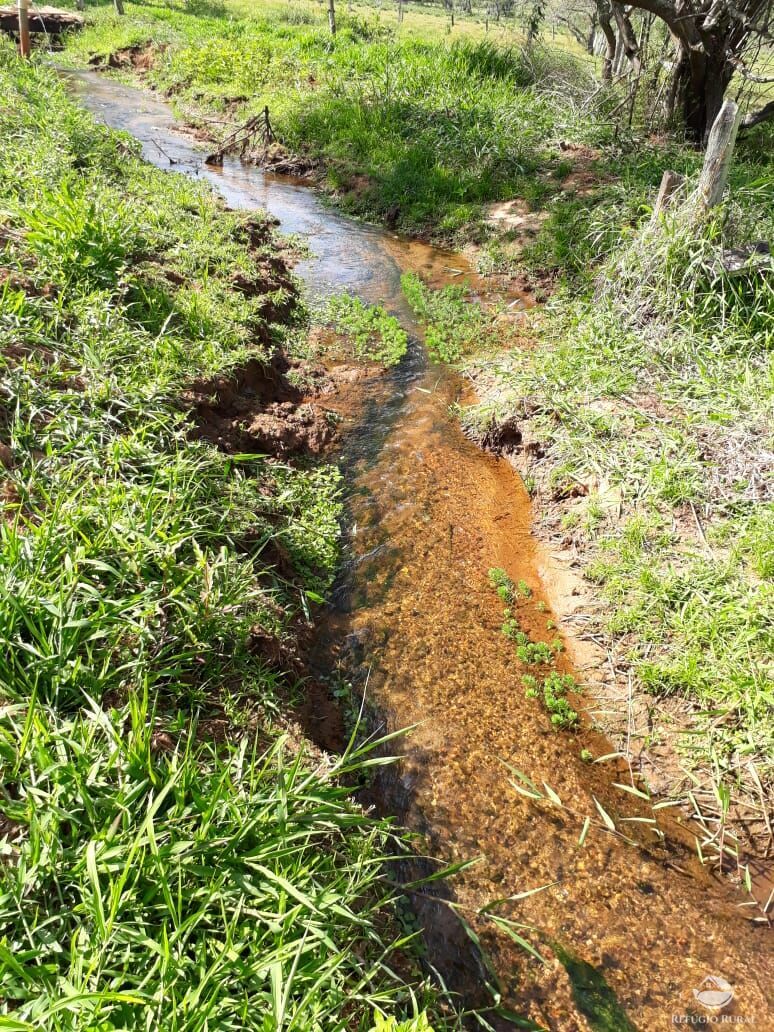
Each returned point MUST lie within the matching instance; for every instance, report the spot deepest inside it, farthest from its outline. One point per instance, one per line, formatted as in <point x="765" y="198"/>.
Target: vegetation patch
<point x="552" y="687"/>
<point x="422" y="133"/>
<point x="166" y="861"/>
<point x="374" y="335"/>
<point x="455" y="325"/>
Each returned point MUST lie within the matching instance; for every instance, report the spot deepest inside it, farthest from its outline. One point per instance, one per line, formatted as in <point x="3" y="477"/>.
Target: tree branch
<point x="631" y="46"/>
<point x="756" y="117"/>
<point x="746" y="74"/>
<point x="604" y="14"/>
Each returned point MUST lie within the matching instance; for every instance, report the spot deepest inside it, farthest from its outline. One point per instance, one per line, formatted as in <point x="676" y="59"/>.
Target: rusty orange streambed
<point x="414" y="619"/>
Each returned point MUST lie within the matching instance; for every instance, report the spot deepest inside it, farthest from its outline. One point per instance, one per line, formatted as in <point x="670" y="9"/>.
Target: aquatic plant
<point x="375" y="335"/>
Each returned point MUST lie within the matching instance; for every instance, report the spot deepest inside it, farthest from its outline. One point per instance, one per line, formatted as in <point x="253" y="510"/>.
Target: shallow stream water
<point x="414" y="618"/>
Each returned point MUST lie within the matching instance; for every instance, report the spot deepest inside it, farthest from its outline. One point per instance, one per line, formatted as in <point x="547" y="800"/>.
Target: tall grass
<point x="165" y="861"/>
<point x="156" y="880"/>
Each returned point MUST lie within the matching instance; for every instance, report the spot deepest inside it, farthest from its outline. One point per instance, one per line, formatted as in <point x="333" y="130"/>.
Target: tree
<point x="711" y="38"/>
<point x="537" y="13"/>
<point x="332" y="17"/>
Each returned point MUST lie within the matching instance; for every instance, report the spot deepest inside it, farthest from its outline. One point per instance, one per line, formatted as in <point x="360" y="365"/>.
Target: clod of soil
<point x="259" y="409"/>
<point x="140" y="58"/>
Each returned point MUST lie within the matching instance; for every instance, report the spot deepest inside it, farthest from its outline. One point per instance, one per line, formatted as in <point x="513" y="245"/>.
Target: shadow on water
<point x="595" y="999"/>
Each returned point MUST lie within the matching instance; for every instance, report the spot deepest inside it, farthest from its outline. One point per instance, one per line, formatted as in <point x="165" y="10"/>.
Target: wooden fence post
<point x="670" y="184"/>
<point x="717" y="160"/>
<point x="24" y="28"/>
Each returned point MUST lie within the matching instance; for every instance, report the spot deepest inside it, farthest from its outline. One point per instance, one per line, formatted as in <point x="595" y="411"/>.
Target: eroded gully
<point x="428" y="515"/>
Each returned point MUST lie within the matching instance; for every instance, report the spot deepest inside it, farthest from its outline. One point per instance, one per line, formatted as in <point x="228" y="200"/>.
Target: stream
<point x="628" y="932"/>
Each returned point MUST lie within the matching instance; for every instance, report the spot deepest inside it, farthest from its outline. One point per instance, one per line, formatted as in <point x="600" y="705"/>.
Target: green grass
<point x="650" y="389"/>
<point x="166" y="861"/>
<point x="454" y="327"/>
<point x="423" y="131"/>
<point x="201" y="887"/>
<point x="372" y="333"/>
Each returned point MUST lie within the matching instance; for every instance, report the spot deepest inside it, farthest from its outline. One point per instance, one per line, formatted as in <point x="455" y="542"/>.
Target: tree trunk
<point x="611" y="43"/>
<point x="332" y="17"/>
<point x="628" y="39"/>
<point x="710" y="38"/>
<point x="702" y="85"/>
<point x="119" y="6"/>
<point x="592" y="34"/>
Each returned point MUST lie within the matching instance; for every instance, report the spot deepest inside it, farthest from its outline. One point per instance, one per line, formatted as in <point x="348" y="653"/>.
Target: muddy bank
<point x="416" y="627"/>
<point x="284" y="408"/>
<point x="647" y="728"/>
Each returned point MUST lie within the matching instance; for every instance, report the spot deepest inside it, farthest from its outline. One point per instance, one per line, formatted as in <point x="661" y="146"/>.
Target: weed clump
<point x="552" y="688"/>
<point x="454" y="325"/>
<point x="375" y="335"/>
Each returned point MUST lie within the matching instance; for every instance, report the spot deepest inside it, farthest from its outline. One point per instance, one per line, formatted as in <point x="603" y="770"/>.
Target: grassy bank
<point x="168" y="861"/>
<point x="422" y="132"/>
<point x="415" y="125"/>
<point x="645" y="414"/>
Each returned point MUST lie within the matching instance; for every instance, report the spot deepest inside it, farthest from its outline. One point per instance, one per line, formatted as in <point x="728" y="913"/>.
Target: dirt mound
<point x="259" y="408"/>
<point x="276" y="407"/>
<point x="509" y="436"/>
<point x="140" y="58"/>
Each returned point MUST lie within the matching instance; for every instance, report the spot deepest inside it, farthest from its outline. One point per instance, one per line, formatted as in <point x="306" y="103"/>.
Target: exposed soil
<point x="283" y="408"/>
<point x="139" y="59"/>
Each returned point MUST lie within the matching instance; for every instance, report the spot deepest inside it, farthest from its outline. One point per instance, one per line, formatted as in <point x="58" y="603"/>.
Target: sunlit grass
<point x="165" y="861"/>
<point x="423" y="130"/>
<point x="653" y="392"/>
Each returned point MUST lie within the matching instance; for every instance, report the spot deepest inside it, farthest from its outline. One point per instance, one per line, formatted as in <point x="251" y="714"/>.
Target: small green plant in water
<point x="552" y="691"/>
<point x="503" y="585"/>
<point x="555" y="688"/>
<point x="535" y="652"/>
<point x="376" y="335"/>
<point x="514" y="633"/>
<point x="455" y="325"/>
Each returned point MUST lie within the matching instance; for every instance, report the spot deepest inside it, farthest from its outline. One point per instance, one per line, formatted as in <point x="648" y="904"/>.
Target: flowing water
<point x="622" y="927"/>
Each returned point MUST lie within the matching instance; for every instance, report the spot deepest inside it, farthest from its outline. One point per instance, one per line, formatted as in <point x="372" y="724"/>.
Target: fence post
<point x="717" y="160"/>
<point x="670" y="184"/>
<point x="24" y="28"/>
